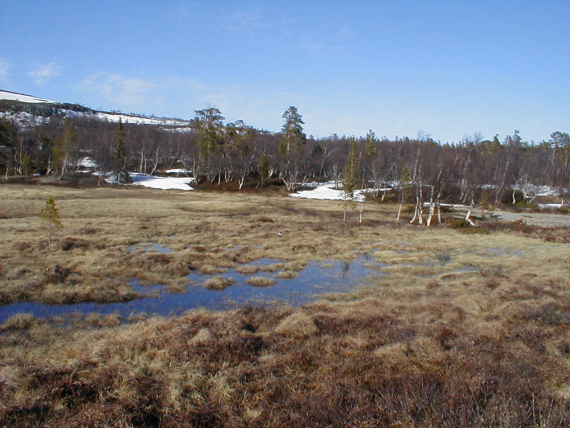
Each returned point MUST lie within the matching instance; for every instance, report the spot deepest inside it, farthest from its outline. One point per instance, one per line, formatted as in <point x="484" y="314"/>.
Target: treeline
<point x="219" y="152"/>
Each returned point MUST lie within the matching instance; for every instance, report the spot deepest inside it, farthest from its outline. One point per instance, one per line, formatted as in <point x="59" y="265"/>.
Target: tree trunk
<point x="431" y="208"/>
<point x="468" y="216"/>
<point x="156" y="159"/>
<point x="64" y="167"/>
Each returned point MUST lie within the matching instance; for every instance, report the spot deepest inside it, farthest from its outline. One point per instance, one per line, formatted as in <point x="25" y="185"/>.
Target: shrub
<point x="51" y="216"/>
<point x="475" y="231"/>
<point x="458" y="223"/>
<point x="265" y="220"/>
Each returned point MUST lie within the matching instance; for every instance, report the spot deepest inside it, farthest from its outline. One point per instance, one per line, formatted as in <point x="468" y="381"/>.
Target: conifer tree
<point x="263" y="169"/>
<point x="371" y="144"/>
<point x="292" y="131"/>
<point x="120" y="158"/>
<point x="51" y="217"/>
<point x="350" y="183"/>
<point x="208" y="125"/>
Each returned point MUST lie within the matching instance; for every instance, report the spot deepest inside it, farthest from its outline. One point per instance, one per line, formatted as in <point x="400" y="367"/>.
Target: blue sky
<point x="448" y="68"/>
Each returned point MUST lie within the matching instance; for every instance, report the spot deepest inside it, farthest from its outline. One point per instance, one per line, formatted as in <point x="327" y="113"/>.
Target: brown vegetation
<point x="468" y="330"/>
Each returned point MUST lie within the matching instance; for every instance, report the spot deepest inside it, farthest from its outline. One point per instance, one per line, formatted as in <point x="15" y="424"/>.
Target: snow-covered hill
<point x="27" y="110"/>
<point x="13" y="96"/>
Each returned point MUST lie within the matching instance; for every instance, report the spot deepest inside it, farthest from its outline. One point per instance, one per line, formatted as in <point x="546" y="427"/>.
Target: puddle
<point x="497" y="251"/>
<point x="156" y="248"/>
<point x="468" y="269"/>
<point x="315" y="279"/>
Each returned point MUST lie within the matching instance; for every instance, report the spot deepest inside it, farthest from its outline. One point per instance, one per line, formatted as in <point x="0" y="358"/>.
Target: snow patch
<point x="327" y="191"/>
<point x="551" y="206"/>
<point x="87" y="162"/>
<point x="125" y="118"/>
<point x="13" y="96"/>
<point x="178" y="171"/>
<point x="163" y="183"/>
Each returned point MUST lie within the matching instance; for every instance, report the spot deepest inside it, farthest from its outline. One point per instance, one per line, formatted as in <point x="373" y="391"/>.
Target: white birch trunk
<point x="468" y="216"/>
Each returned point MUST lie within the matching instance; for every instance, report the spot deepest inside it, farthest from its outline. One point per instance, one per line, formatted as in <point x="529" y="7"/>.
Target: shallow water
<point x="157" y="248"/>
<point x="317" y="278"/>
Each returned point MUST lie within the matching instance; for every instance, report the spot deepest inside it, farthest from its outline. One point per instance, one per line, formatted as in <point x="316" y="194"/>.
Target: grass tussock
<point x="260" y="281"/>
<point x="247" y="269"/>
<point x="287" y="274"/>
<point x="218" y="283"/>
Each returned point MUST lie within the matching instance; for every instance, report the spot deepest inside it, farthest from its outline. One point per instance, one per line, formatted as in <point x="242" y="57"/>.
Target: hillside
<point x="27" y="110"/>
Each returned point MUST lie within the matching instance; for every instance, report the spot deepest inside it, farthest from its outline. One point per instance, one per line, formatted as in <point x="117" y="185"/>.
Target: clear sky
<point x="448" y="68"/>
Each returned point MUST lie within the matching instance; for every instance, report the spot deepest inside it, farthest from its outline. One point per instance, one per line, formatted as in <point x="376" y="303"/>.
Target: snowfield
<point x="12" y="96"/>
<point x="327" y="191"/>
<point x="163" y="183"/>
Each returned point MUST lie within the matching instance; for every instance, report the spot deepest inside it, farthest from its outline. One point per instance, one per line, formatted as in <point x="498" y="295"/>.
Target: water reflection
<point x="316" y="278"/>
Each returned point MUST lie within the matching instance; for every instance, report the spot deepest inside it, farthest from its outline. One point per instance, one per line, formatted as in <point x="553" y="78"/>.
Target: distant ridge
<point x="23" y="98"/>
<point x="28" y="110"/>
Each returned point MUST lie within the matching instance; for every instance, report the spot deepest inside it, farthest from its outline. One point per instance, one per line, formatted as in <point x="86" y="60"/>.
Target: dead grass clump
<point x="177" y="268"/>
<point x="392" y="354"/>
<point x="22" y="246"/>
<point x="260" y="281"/>
<point x="431" y="284"/>
<point x="175" y="288"/>
<point x="70" y="243"/>
<point x="271" y="268"/>
<point x="287" y="274"/>
<point x="218" y="283"/>
<point x="551" y="314"/>
<point x="22" y="321"/>
<point x="161" y="259"/>
<point x="203" y="337"/>
<point x="225" y="261"/>
<point x="247" y="269"/>
<point x="89" y="230"/>
<point x="304" y="248"/>
<point x="209" y="269"/>
<point x="296" y="325"/>
<point x="295" y="266"/>
<point x="17" y="273"/>
<point x="99" y="320"/>
<point x="10" y="378"/>
<point x="56" y="274"/>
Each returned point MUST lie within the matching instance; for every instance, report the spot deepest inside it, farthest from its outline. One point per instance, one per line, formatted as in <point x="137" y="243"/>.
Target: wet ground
<point x="316" y="279"/>
<point x="535" y="219"/>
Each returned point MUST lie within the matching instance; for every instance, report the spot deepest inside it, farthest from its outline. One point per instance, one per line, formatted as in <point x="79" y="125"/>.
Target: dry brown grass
<point x="467" y="331"/>
<point x="260" y="281"/>
<point x="217" y="283"/>
<point x="109" y="234"/>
